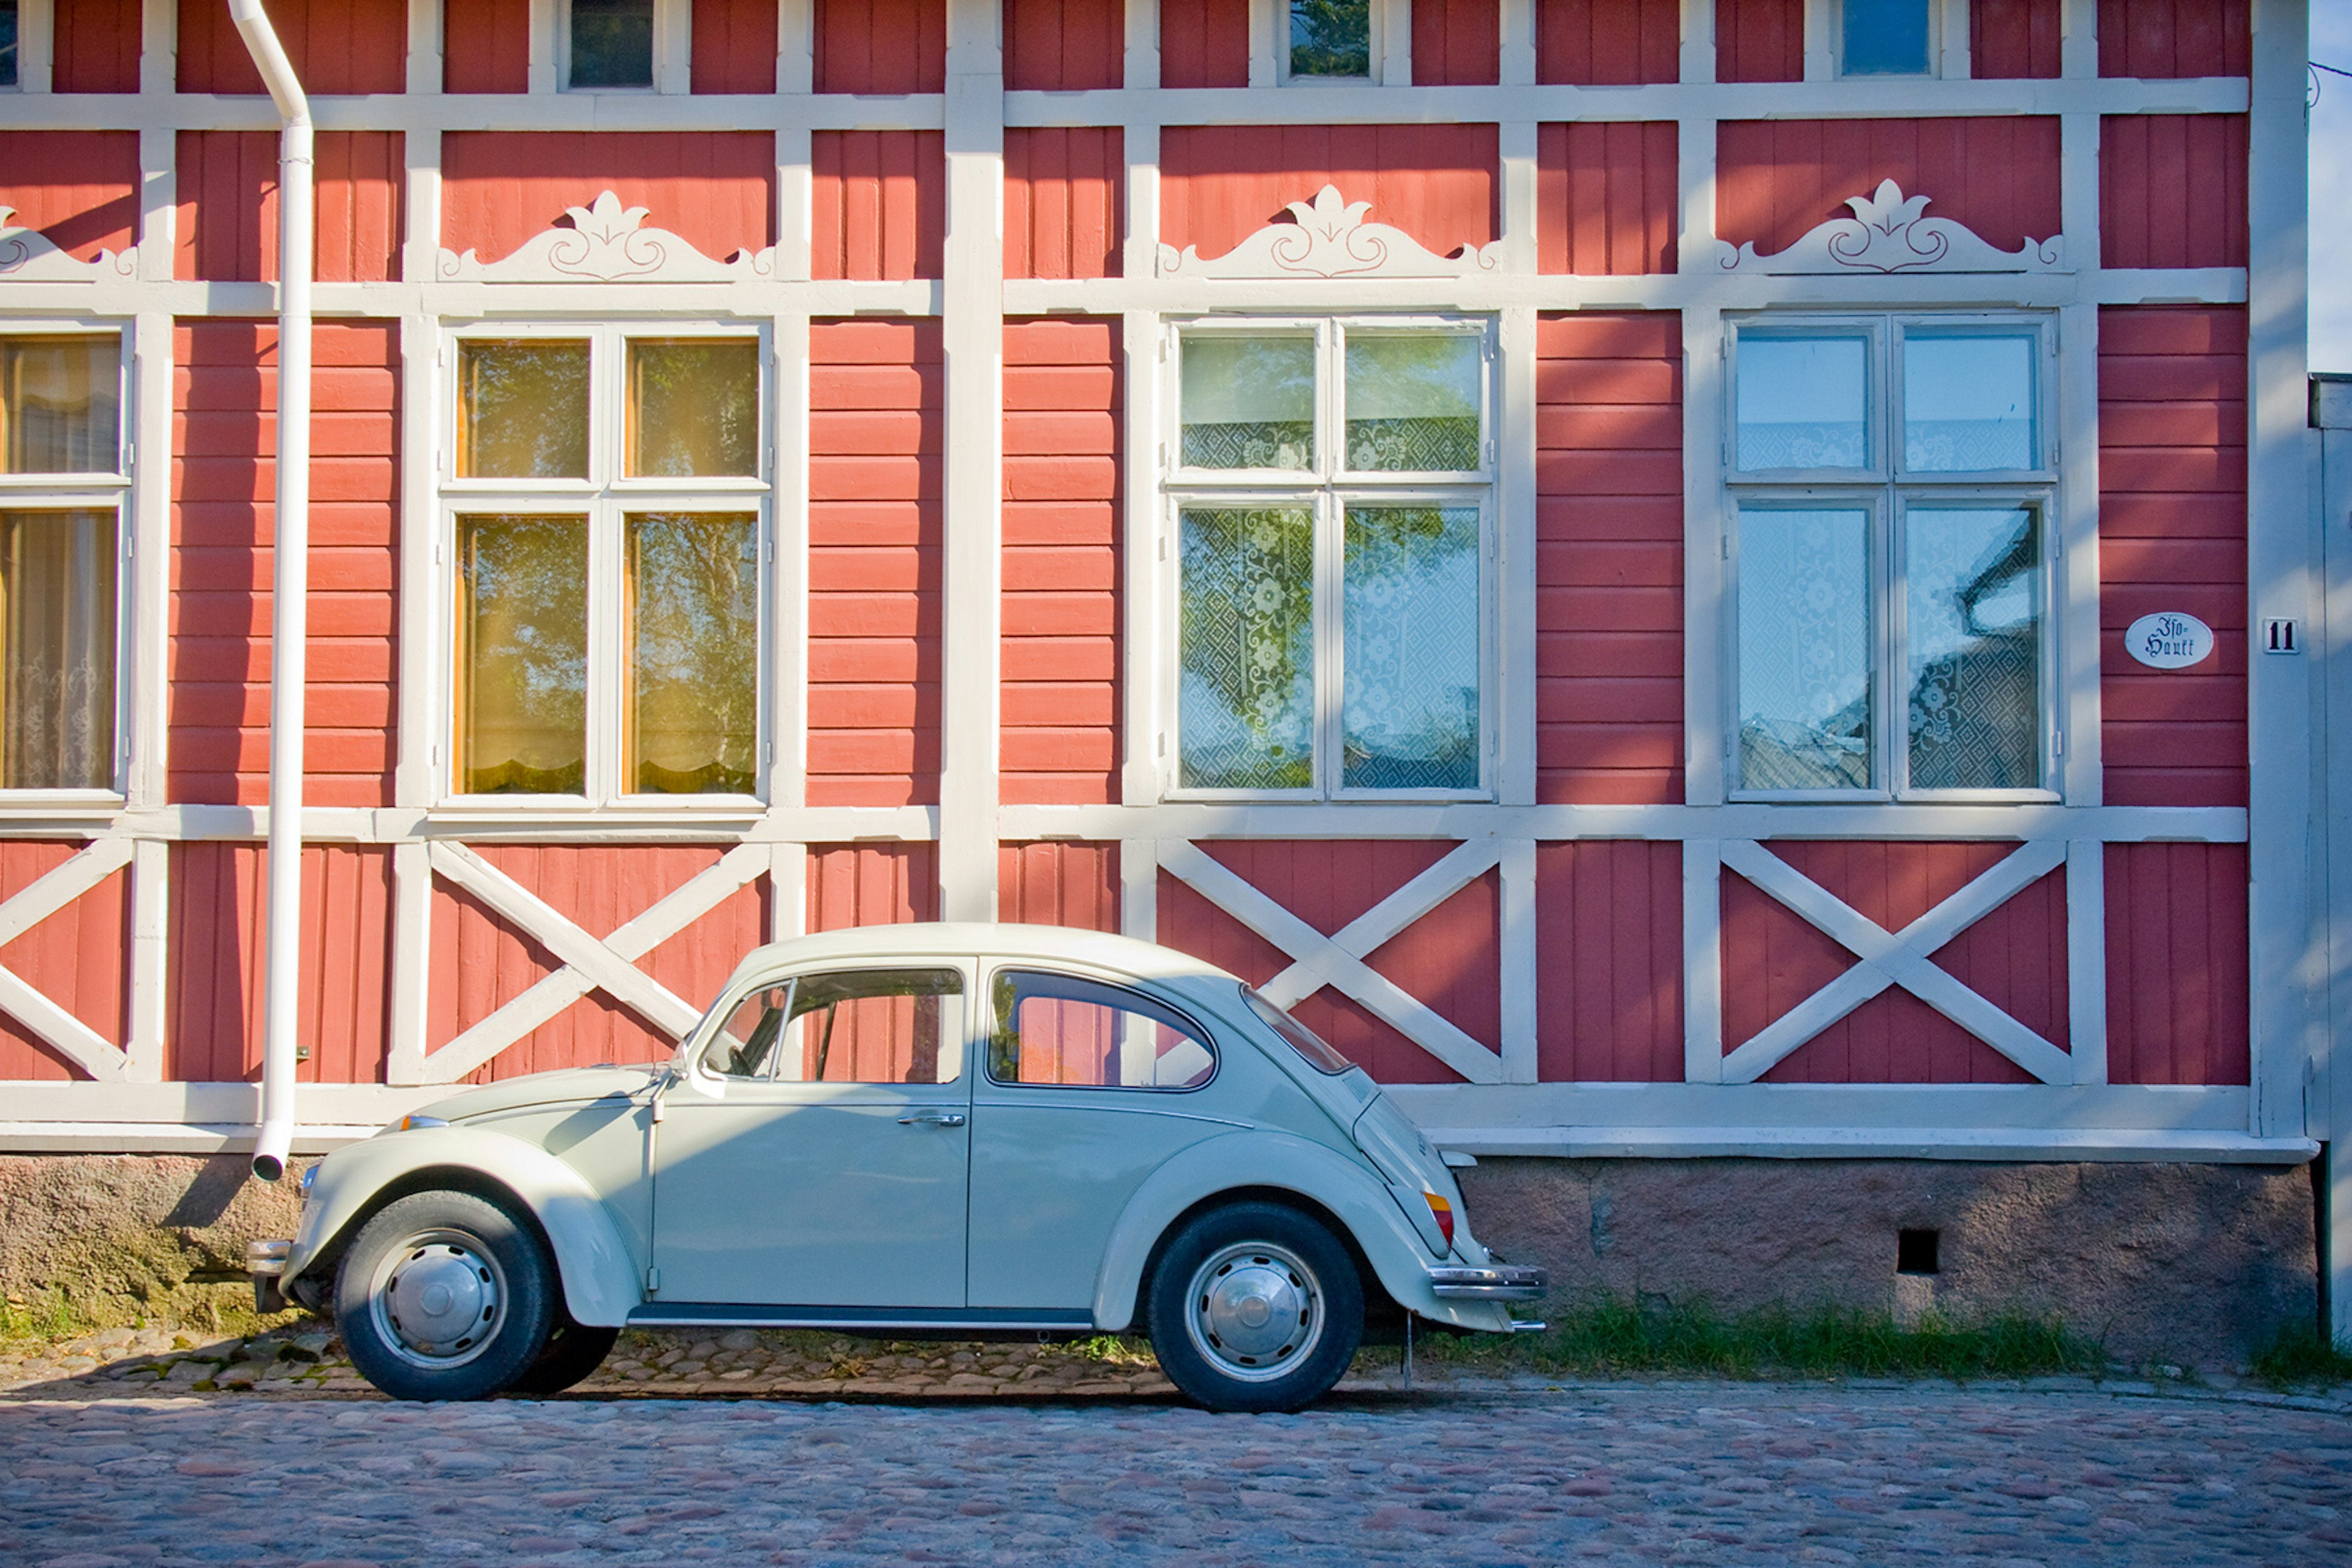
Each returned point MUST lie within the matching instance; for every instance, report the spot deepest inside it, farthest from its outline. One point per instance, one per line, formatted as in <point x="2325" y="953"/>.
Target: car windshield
<point x="1317" y="1051"/>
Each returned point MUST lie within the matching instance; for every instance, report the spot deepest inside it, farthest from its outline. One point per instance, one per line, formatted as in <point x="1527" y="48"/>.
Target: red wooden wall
<point x="717" y="188"/>
<point x="734" y="46"/>
<point x="227" y="225"/>
<point x="1609" y="558"/>
<point x="1219" y="185"/>
<point x="1759" y="40"/>
<point x="2177" y="987"/>
<point x="2011" y="39"/>
<point x="494" y="54"/>
<point x="1456" y="43"/>
<point x="1606" y="196"/>
<point x="1613" y="43"/>
<point x="78" y="958"/>
<point x="335" y="45"/>
<point x="1061" y="883"/>
<point x="1065" y="201"/>
<point x="871" y="884"/>
<point x="1775" y="179"/>
<point x="94" y="46"/>
<point x="1609" y="952"/>
<point x="881" y="46"/>
<point x="1059" y="736"/>
<point x="2172" y="190"/>
<point x="1204" y="43"/>
<point x="2176" y="37"/>
<point x="79" y="188"/>
<point x="1064" y="46"/>
<point x="881" y="200"/>
<point x="875" y="427"/>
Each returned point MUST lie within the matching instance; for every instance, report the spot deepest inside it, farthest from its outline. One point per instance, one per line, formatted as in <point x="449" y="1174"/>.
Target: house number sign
<point x="2170" y="639"/>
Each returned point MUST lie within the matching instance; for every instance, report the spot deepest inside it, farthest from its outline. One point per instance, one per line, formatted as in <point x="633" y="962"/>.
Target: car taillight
<point x="1442" y="1212"/>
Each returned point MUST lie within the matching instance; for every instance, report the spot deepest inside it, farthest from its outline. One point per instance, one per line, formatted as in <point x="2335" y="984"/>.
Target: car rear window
<point x="1318" y="1052"/>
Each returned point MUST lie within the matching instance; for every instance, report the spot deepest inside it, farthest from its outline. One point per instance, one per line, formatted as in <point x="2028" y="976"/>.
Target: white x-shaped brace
<point x="1338" y="960"/>
<point x="38" y="899"/>
<point x="590" y="964"/>
<point x="1895" y="958"/>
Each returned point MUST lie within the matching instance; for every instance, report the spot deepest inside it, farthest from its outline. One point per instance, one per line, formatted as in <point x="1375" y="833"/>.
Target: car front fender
<point x="600" y="1279"/>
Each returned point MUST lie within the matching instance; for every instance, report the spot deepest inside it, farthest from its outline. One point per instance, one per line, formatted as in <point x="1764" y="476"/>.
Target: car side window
<point x="854" y="1026"/>
<point x="1066" y="1031"/>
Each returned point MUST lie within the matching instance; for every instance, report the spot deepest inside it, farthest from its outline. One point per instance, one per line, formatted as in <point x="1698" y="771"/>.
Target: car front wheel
<point x="444" y="1296"/>
<point x="1255" y="1307"/>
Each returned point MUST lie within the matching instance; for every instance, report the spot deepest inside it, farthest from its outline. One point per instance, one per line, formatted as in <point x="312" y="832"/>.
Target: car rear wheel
<point x="1255" y="1307"/>
<point x="445" y="1296"/>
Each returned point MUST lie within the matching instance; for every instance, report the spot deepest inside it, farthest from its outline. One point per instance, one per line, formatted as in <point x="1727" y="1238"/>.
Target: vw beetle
<point x="967" y="1132"/>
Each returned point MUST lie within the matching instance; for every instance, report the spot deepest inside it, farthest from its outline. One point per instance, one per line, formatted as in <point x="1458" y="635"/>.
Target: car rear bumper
<point x="1489" y="1282"/>
<point x="266" y="1261"/>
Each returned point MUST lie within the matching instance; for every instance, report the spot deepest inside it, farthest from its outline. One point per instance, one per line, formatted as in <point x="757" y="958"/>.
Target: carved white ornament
<point x="1887" y="234"/>
<point x="27" y="257"/>
<point x="1329" y="238"/>
<point x="606" y="244"/>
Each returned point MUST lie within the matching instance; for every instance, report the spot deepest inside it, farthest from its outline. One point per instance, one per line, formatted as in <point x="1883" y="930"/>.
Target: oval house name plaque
<point x="2170" y="639"/>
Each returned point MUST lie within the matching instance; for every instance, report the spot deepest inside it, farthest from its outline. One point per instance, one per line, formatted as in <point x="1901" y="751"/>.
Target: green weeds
<point x="2301" y="1355"/>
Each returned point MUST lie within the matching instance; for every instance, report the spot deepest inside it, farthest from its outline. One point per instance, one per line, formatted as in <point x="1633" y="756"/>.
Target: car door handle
<point x="931" y="1119"/>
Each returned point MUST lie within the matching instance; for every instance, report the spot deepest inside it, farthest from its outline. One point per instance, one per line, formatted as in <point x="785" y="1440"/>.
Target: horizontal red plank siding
<point x="334" y="46"/>
<point x="77" y="958"/>
<point x="1204" y="43"/>
<point x="214" y="972"/>
<point x="1456" y="43"/>
<point x="716" y="188"/>
<point x="2176" y="37"/>
<point x="2178" y="998"/>
<point x="79" y="189"/>
<point x="1058" y="725"/>
<point x="1065" y="201"/>
<point x="1775" y="179"/>
<point x="2014" y="38"/>
<point x="494" y="54"/>
<point x="881" y="205"/>
<point x="1064" y="46"/>
<point x="881" y="46"/>
<point x="2172" y="536"/>
<point x="1220" y="184"/>
<point x="1058" y="884"/>
<point x="1606" y="196"/>
<point x="1608" y="43"/>
<point x="95" y="47"/>
<point x="853" y="885"/>
<point x="1609" y="961"/>
<point x="223" y="428"/>
<point x="227" y="228"/>
<point x="2172" y="190"/>
<point x="734" y="46"/>
<point x="1759" y="40"/>
<point x="875" y="427"/>
<point x="1609" y="559"/>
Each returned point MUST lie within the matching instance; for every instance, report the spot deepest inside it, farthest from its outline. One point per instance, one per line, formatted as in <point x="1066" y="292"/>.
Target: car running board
<point x="860" y="1320"/>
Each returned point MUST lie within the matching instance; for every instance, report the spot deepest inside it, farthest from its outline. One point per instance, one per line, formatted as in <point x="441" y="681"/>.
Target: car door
<point x="816" y="1153"/>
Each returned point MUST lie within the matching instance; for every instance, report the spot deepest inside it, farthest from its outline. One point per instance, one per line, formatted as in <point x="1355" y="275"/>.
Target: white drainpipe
<point x="289" y="593"/>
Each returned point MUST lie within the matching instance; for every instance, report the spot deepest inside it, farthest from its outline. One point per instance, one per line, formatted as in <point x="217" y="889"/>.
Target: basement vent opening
<point x="1915" y="1251"/>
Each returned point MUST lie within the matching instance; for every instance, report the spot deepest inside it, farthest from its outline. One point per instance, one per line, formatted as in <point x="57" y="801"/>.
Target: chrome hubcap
<point x="437" y="1297"/>
<point x="1254" y="1310"/>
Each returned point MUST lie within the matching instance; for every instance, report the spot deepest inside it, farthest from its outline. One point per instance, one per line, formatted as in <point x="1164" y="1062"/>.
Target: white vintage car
<point x="966" y="1131"/>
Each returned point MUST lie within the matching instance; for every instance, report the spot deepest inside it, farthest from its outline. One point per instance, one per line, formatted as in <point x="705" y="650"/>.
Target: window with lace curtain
<point x="63" y="484"/>
<point x="1332" y="490"/>
<point x="1891" y="484"/>
<point x="606" y="502"/>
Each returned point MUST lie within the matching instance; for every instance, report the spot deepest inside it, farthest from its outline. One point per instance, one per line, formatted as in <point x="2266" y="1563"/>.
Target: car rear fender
<point x="600" y="1279"/>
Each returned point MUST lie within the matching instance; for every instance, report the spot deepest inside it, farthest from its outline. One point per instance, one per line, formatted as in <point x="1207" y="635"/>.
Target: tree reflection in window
<point x="692" y="726"/>
<point x="1331" y="37"/>
<point x="522" y="658"/>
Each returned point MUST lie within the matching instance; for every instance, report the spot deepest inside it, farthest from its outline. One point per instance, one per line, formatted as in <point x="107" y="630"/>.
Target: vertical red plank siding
<point x="1611" y="43"/>
<point x="1204" y="43"/>
<point x="227" y="228"/>
<point x="335" y="45"/>
<point x="2176" y="37"/>
<point x="1608" y="958"/>
<point x="871" y="884"/>
<point x="1759" y="40"/>
<point x="77" y="958"/>
<point x="1064" y="46"/>
<point x="2014" y="38"/>
<point x="881" y="46"/>
<point x="2172" y="536"/>
<point x="493" y="52"/>
<point x="1219" y="185"/>
<point x="1058" y="884"/>
<point x="881" y="200"/>
<point x="1456" y="43"/>
<point x="2172" y="190"/>
<point x="95" y="47"/>
<point x="716" y="188"/>
<point x="734" y="46"/>
<point x="1065" y="201"/>
<point x="1775" y="179"/>
<point x="1058" y="736"/>
<point x="1609" y="559"/>
<point x="875" y="424"/>
<point x="224" y="397"/>
<point x="79" y="188"/>
<point x="2178" y="984"/>
<point x="1607" y="199"/>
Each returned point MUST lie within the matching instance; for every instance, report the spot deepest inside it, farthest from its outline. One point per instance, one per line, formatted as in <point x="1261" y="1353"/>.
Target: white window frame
<point x="673" y="50"/>
<point x="1375" y="53"/>
<point x="605" y="497"/>
<point x="1887" y="490"/>
<point x="1326" y="488"/>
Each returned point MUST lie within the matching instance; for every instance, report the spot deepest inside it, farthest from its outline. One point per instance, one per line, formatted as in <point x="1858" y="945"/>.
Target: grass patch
<point x="2302" y="1355"/>
<point x="51" y="1315"/>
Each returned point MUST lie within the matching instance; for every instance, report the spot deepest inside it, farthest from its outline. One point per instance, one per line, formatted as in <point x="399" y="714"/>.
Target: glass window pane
<point x="1414" y="403"/>
<point x="1972" y="597"/>
<point x="612" y="43"/>
<point x="1804" y="651"/>
<point x="1967" y="403"/>
<point x="57" y="635"/>
<point x="60" y="404"/>
<point x="1331" y="37"/>
<point x="1060" y="1030"/>
<point x="745" y="1046"/>
<point x="1803" y="403"/>
<point x="694" y="407"/>
<point x="1408" y="716"/>
<point x="693" y="598"/>
<point x="1885" y="38"/>
<point x="874" y="1026"/>
<point x="1248" y="403"/>
<point x="1245" y="704"/>
<point x="522" y="409"/>
<point x="522" y="655"/>
<point x="7" y="43"/>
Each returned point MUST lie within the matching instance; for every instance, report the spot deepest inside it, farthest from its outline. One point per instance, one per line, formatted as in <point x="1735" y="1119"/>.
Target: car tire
<point x="573" y="1351"/>
<point x="445" y="1296"/>
<point x="1255" y="1307"/>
